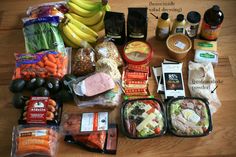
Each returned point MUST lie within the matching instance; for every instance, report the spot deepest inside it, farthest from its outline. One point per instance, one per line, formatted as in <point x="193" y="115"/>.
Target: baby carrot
<point x="40" y="64"/>
<point x="50" y="69"/>
<point x="50" y="64"/>
<point x="51" y="58"/>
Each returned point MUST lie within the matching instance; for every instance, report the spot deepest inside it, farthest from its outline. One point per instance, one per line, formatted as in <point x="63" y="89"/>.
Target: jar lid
<point x="137" y="52"/>
<point x="180" y="17"/>
<point x="164" y="16"/>
<point x="193" y="17"/>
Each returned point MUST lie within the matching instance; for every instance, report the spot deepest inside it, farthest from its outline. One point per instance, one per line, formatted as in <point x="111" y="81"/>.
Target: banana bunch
<point x="83" y="22"/>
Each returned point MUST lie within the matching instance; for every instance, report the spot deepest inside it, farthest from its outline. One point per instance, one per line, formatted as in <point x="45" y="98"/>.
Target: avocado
<point x="17" y="85"/>
<point x="35" y="83"/>
<point x="41" y="91"/>
<point x="53" y="84"/>
<point x="19" y="100"/>
<point x="66" y="79"/>
<point x="63" y="95"/>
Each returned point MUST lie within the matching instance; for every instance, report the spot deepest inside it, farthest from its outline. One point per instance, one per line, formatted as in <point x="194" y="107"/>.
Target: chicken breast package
<point x="202" y="83"/>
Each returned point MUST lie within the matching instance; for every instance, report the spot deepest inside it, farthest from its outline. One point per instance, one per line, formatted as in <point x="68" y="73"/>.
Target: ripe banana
<point x="80" y="11"/>
<point x="99" y="26"/>
<point x="107" y="7"/>
<point x="72" y="36"/>
<point x="87" y="5"/>
<point x="66" y="40"/>
<point x="81" y="26"/>
<point x="81" y="34"/>
<point x="89" y="20"/>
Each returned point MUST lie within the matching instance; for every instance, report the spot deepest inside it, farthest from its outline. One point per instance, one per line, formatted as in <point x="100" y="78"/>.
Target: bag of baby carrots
<point x="34" y="140"/>
<point x="43" y="64"/>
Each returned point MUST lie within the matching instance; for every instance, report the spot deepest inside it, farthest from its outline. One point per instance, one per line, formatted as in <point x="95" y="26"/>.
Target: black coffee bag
<point x="115" y="26"/>
<point x="137" y="24"/>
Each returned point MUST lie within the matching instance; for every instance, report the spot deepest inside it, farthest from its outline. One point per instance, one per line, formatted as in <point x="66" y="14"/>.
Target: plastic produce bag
<point x="83" y="62"/>
<point x="34" y="140"/>
<point x="107" y="49"/>
<point x="42" y="34"/>
<point x="43" y="64"/>
<point x="201" y="83"/>
<point x="48" y="9"/>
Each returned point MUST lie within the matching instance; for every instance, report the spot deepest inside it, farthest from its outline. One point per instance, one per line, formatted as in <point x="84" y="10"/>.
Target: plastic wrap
<point x="34" y="140"/>
<point x="48" y="9"/>
<point x="42" y="34"/>
<point x="43" y="64"/>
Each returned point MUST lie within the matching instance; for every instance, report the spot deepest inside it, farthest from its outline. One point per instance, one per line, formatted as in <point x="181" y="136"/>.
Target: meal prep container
<point x="143" y="118"/>
<point x="137" y="52"/>
<point x="178" y="45"/>
<point x="189" y="117"/>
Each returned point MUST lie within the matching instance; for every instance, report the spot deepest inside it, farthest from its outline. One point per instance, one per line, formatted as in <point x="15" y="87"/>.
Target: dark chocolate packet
<point x="137" y="24"/>
<point x="115" y="26"/>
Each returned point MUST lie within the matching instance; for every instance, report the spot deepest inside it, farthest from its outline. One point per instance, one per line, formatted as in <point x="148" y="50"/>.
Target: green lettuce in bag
<point x="42" y="34"/>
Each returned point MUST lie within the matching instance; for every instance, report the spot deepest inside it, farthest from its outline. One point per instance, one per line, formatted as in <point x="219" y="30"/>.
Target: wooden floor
<point x="221" y="142"/>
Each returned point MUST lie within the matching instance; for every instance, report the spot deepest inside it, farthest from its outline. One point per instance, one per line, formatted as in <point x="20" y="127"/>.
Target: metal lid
<point x="193" y="17"/>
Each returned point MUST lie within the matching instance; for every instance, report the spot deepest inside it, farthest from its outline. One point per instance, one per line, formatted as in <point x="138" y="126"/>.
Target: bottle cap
<point x="215" y="8"/>
<point x="193" y="17"/>
<point x="164" y="16"/>
<point x="180" y="17"/>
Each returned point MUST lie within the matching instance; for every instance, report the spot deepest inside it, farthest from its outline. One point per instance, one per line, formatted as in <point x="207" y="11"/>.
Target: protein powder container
<point x="211" y="24"/>
<point x="193" y="21"/>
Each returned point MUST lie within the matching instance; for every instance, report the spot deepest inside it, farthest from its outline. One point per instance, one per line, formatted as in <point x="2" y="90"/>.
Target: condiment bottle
<point x="179" y="25"/>
<point x="163" y="27"/>
<point x="192" y="25"/>
<point x="211" y="24"/>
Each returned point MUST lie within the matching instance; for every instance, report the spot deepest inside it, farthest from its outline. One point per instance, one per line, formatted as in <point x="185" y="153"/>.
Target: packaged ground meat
<point x="44" y="64"/>
<point x="37" y="140"/>
<point x="107" y="49"/>
<point x="83" y="62"/>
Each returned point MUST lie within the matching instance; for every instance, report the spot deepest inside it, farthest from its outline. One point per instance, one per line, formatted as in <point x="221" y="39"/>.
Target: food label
<point x="164" y="32"/>
<point x="97" y="121"/>
<point x="37" y="110"/>
<point x="192" y="30"/>
<point x="180" y="45"/>
<point x="210" y="32"/>
<point x="31" y="133"/>
<point x="138" y="68"/>
<point x="180" y="30"/>
<point x="173" y="80"/>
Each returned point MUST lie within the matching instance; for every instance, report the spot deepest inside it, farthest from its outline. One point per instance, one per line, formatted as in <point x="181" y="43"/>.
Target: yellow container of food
<point x="178" y="45"/>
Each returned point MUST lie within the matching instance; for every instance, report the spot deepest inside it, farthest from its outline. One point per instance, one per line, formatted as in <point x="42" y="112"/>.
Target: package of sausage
<point x="41" y="110"/>
<point x="34" y="140"/>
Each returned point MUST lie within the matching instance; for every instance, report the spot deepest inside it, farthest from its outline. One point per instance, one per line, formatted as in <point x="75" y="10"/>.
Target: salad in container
<point x="189" y="117"/>
<point x="143" y="118"/>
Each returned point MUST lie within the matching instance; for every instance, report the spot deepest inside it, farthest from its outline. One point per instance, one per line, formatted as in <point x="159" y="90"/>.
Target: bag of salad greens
<point x="42" y="34"/>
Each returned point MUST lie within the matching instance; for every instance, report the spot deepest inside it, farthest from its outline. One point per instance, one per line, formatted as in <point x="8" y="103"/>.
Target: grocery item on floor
<point x="43" y="64"/>
<point x="192" y="24"/>
<point x="137" y="24"/>
<point x="42" y="34"/>
<point x="173" y="80"/>
<point x="109" y="67"/>
<point x="34" y="140"/>
<point x="202" y="82"/>
<point x="48" y="9"/>
<point x="96" y="90"/>
<point x="115" y="27"/>
<point x="212" y="22"/>
<point x="137" y="52"/>
<point x="178" y="45"/>
<point x="189" y="117"/>
<point x="143" y="118"/>
<point x="83" y="62"/>
<point x="157" y="71"/>
<point x="41" y="110"/>
<point x="179" y="25"/>
<point x="163" y="27"/>
<point x="205" y="45"/>
<point x="107" y="49"/>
